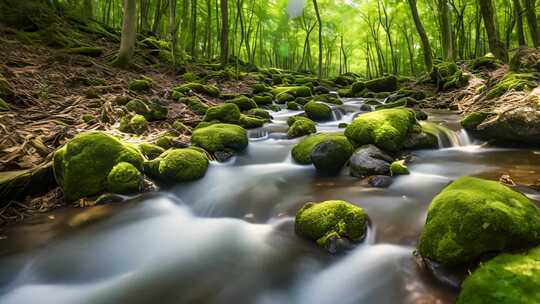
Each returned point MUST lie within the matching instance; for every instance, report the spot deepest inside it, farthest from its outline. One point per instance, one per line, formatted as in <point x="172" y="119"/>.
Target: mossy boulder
<point x="250" y="122"/>
<point x="178" y="165"/>
<point x="487" y="62"/>
<point x="301" y="152"/>
<point x="506" y="279"/>
<point x="330" y="156"/>
<point x="298" y="91"/>
<point x="291" y="105"/>
<point x="260" y="113"/>
<point x="284" y="98"/>
<point x="263" y="100"/>
<point x="220" y="137"/>
<point x="301" y="127"/>
<point x="140" y="85"/>
<point x="195" y="104"/>
<point x="196" y="87"/>
<point x="387" y="129"/>
<point x="383" y="84"/>
<point x="398" y="168"/>
<point x="472" y="120"/>
<point x="135" y="124"/>
<point x="150" y="111"/>
<point x="260" y="88"/>
<point x="244" y="103"/>
<point x="151" y="151"/>
<point x="331" y="220"/>
<point x="514" y="82"/>
<point x="83" y="165"/>
<point x="448" y="75"/>
<point x="473" y="217"/>
<point x="358" y="87"/>
<point x="124" y="178"/>
<point x="318" y="111"/>
<point x="227" y="113"/>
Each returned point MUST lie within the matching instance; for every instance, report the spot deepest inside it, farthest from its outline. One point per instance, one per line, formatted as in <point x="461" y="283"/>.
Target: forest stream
<point x="229" y="238"/>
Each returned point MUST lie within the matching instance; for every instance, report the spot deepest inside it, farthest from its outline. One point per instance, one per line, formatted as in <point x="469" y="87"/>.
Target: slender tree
<point x="495" y="44"/>
<point x="530" y="13"/>
<point x="426" y="47"/>
<point x="129" y="34"/>
<point x="224" y="31"/>
<point x="319" y="21"/>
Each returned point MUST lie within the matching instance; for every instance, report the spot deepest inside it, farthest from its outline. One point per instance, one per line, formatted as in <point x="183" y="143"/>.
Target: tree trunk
<point x="129" y="34"/>
<point x="194" y="29"/>
<point x="88" y="9"/>
<point x="530" y="13"/>
<point x="173" y="26"/>
<point x="428" y="59"/>
<point x="446" y="30"/>
<point x="316" y="6"/>
<point x="519" y="19"/>
<point x="224" y="32"/>
<point x="495" y="44"/>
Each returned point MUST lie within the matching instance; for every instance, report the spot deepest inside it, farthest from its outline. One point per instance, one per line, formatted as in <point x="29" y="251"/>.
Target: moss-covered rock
<point x="298" y="91"/>
<point x="263" y="100"/>
<point x="506" y="279"/>
<point x="250" y="122"/>
<point x="512" y="81"/>
<point x="220" y="137"/>
<point x="398" y="168"/>
<point x="82" y="166"/>
<point x="383" y="84"/>
<point x="260" y="88"/>
<point x="124" y="178"/>
<point x="195" y="104"/>
<point x="486" y="62"/>
<point x="402" y="102"/>
<point x="318" y="111"/>
<point x="138" y="106"/>
<point x="151" y="151"/>
<point x="196" y="87"/>
<point x="244" y="103"/>
<point x="284" y="98"/>
<point x="415" y="94"/>
<point x="472" y="217"/>
<point x="291" y="105"/>
<point x="178" y="165"/>
<point x="260" y="113"/>
<point x="179" y="126"/>
<point x="329" y="220"/>
<point x="4" y="106"/>
<point x="330" y="156"/>
<point x="358" y="87"/>
<point x="227" y="113"/>
<point x="345" y="92"/>
<point x="301" y="127"/>
<point x="387" y="129"/>
<point x="345" y="79"/>
<point x="472" y="120"/>
<point x="150" y="111"/>
<point x="448" y="75"/>
<point x="135" y="124"/>
<point x="301" y="152"/>
<point x="165" y="142"/>
<point x="140" y="85"/>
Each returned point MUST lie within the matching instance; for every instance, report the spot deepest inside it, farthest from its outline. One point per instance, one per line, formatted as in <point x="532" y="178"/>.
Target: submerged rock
<point x="329" y="157"/>
<point x="82" y="166"/>
<point x="473" y="217"/>
<point x="220" y="137"/>
<point x="178" y="165"/>
<point x="380" y="181"/>
<point x="329" y="221"/>
<point x="508" y="278"/>
<point x="369" y="160"/>
<point x="387" y="129"/>
<point x="301" y="152"/>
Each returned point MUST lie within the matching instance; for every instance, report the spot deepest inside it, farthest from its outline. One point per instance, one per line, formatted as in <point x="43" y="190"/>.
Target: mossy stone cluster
<point x="226" y="113"/>
<point x="506" y="279"/>
<point x="244" y="103"/>
<point x="263" y="100"/>
<point x="513" y="81"/>
<point x="220" y="137"/>
<point x="300" y="126"/>
<point x="196" y="87"/>
<point x="178" y="165"/>
<point x="251" y="122"/>
<point x="383" y="84"/>
<point x="83" y="165"/>
<point x="301" y="152"/>
<point x="331" y="219"/>
<point x="140" y="85"/>
<point x="448" y="75"/>
<point x="387" y="129"/>
<point x="151" y="151"/>
<point x="195" y="104"/>
<point x="150" y="111"/>
<point x="473" y="217"/>
<point x="318" y="111"/>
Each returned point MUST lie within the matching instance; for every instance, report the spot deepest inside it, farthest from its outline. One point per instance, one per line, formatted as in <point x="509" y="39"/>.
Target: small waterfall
<point x="447" y="137"/>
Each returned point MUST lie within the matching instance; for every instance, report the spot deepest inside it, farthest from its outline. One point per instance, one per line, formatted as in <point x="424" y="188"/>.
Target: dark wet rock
<point x="329" y="157"/>
<point x="520" y="125"/>
<point x="223" y="156"/>
<point x="369" y="160"/>
<point x="380" y="181"/>
<point x="108" y="198"/>
<point x="321" y="90"/>
<point x="422" y="140"/>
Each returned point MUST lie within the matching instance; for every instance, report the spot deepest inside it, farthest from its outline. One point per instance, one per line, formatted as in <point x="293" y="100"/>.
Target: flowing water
<point x="229" y="238"/>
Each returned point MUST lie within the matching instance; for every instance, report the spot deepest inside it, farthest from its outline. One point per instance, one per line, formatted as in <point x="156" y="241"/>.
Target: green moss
<point x="179" y="126"/>
<point x="87" y="117"/>
<point x="138" y="106"/>
<point x="448" y="75"/>
<point x="383" y="84"/>
<point x="301" y="101"/>
<point x="320" y="222"/>
<point x="318" y="111"/>
<point x="417" y="95"/>
<point x="263" y="100"/>
<point x="197" y="88"/>
<point x="260" y="113"/>
<point x="471" y="121"/>
<point x="301" y="152"/>
<point x="292" y="119"/>
<point x="244" y="103"/>
<point x="345" y="80"/>
<point x="4" y="106"/>
<point x="151" y="151"/>
<point x="82" y="166"/>
<point x="291" y="105"/>
<point x="487" y="61"/>
<point x="512" y="81"/>
<point x="220" y="137"/>
<point x="86" y="51"/>
<point x="135" y="124"/>
<point x="227" y="113"/>
<point x="358" y="87"/>
<point x="387" y="129"/>
<point x="250" y="122"/>
<point x="190" y="77"/>
<point x="139" y="85"/>
<point x="472" y="217"/>
<point x="124" y="178"/>
<point x="260" y="88"/>
<point x="284" y="98"/>
<point x="398" y="168"/>
<point x="298" y="91"/>
<point x="165" y="142"/>
<point x="178" y="165"/>
<point x="506" y="279"/>
<point x="345" y="92"/>
<point x="195" y="105"/>
<point x="177" y="95"/>
<point x="301" y="127"/>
